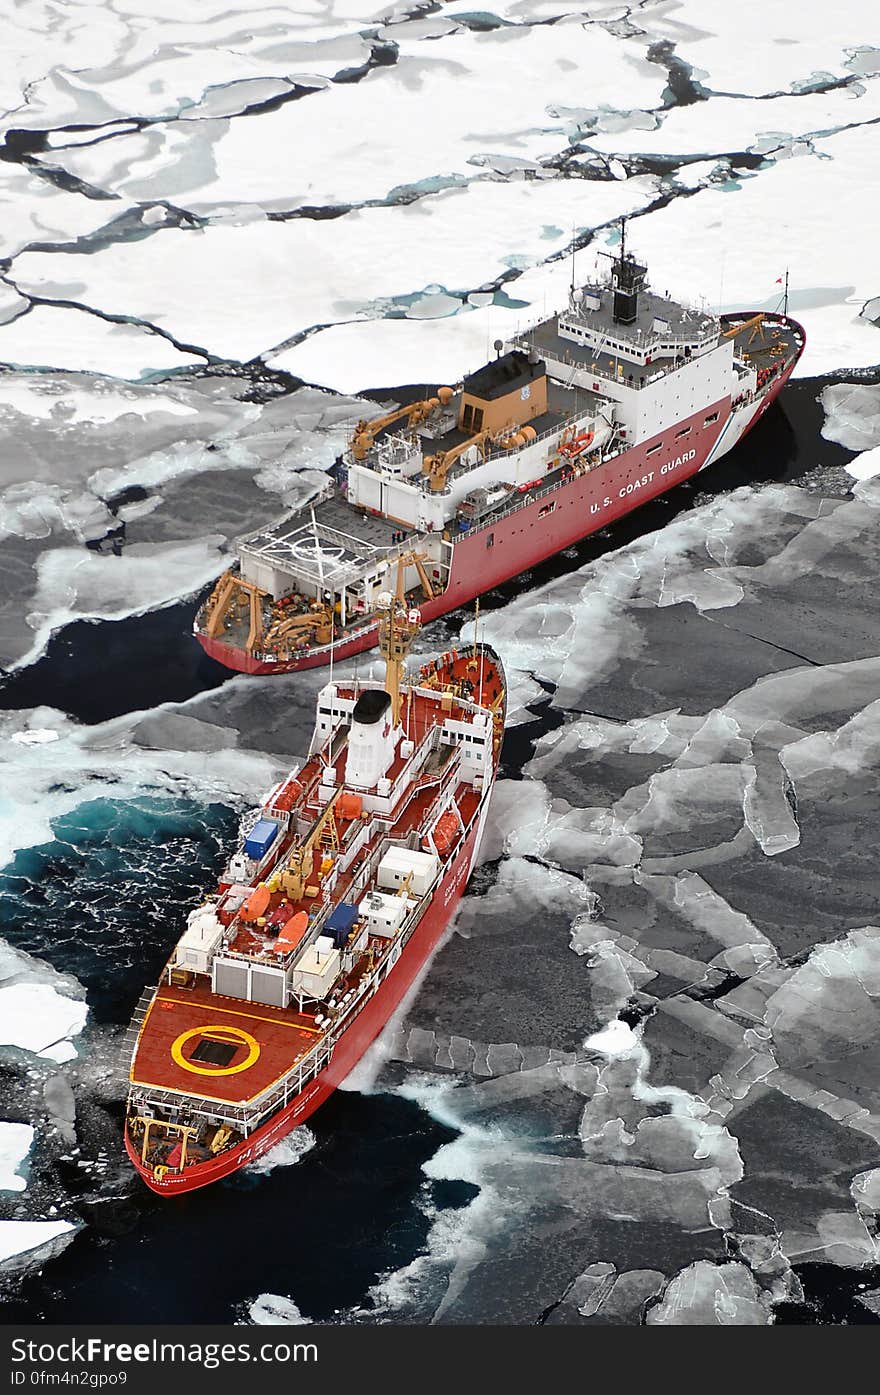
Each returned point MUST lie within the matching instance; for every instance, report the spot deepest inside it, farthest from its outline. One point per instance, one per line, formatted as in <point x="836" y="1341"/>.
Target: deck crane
<point x="228" y="590"/>
<point x="417" y="560"/>
<point x="437" y="467"/>
<point x="754" y="324"/>
<point x="292" y="878"/>
<point x="414" y="413"/>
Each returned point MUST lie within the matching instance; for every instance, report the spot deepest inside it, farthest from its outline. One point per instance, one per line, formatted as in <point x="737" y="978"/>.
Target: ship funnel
<point x="371" y="740"/>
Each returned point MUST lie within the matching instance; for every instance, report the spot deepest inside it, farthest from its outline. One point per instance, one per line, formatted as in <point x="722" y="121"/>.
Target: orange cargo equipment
<point x="256" y="903"/>
<point x="292" y="933"/>
<point x="349" y="806"/>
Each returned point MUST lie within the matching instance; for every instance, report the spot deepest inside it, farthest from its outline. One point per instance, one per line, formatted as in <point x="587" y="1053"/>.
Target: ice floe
<point x="308" y="273"/>
<point x="708" y="1294"/>
<point x="728" y="125"/>
<point x="16" y="1141"/>
<point x="35" y="1017"/>
<point x="57" y="337"/>
<point x="866" y="465"/>
<point x="72" y="584"/>
<point x="25" y="1242"/>
<point x="382" y="133"/>
<point x="34" y="210"/>
<point x="766" y="52"/>
<point x="852" y="416"/>
<point x="274" y="1310"/>
<point x="152" y="65"/>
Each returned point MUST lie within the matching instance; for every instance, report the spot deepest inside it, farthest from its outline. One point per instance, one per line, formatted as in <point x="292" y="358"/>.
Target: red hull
<point x="351" y="1045"/>
<point x="543" y="526"/>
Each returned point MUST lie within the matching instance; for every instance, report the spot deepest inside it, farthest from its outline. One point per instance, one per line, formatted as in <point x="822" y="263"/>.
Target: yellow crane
<point x="318" y="621"/>
<point x="437" y="467"/>
<point x="398" y="627"/>
<point x="414" y="413"/>
<point x="228" y="590"/>
<point x="417" y="560"/>
<point x="755" y="323"/>
<point x="293" y="877"/>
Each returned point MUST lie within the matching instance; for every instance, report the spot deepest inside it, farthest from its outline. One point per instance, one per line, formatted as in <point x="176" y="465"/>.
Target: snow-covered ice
<point x="314" y="273"/>
<point x="274" y="1310"/>
<point x="16" y="1141"/>
<point x="34" y="1017"/>
<point x="24" y="1241"/>
<point x="852" y="416"/>
<point x="866" y="465"/>
<point x="382" y="133"/>
<point x="55" y="337"/>
<point x="770" y="49"/>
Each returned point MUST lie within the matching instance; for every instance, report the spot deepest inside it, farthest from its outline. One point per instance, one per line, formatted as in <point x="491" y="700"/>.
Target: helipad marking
<point x="237" y="1035"/>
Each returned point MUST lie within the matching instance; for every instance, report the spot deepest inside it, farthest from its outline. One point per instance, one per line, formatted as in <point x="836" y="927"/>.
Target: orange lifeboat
<point x="257" y="903"/>
<point x="445" y="832"/>
<point x="291" y="933"/>
<point x="288" y="795"/>
<point x="349" y="806"/>
<point x="577" y="445"/>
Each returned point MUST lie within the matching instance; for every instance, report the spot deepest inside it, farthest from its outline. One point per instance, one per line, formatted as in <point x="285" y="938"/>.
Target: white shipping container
<point x="197" y="945"/>
<point x="384" y="914"/>
<point x="398" y="863"/>
<point x="317" y="970"/>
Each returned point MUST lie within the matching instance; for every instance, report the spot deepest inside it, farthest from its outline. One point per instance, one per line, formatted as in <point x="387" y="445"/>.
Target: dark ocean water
<point x="322" y="1231"/>
<point x="108" y="897"/>
<point x="105" y="901"/>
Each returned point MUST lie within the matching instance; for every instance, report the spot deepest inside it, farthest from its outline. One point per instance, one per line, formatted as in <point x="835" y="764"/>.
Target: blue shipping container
<point x="261" y="838"/>
<point x="339" y="923"/>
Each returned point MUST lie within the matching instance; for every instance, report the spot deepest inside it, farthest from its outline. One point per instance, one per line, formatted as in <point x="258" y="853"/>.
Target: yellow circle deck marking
<point x="235" y="1033"/>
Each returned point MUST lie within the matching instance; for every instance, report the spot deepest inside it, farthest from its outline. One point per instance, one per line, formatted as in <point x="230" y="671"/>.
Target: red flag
<point x="779" y="280"/>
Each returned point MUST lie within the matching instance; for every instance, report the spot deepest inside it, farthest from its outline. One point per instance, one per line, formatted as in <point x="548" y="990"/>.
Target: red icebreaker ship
<point x="577" y="421"/>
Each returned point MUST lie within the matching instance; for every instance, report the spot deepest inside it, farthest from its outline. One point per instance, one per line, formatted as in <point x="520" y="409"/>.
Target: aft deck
<point x="256" y="1044"/>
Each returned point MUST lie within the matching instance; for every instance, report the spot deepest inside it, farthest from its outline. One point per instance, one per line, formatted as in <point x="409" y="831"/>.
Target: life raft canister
<point x="578" y="444"/>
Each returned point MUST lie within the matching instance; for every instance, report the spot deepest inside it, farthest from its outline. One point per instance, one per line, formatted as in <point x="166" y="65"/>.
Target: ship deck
<point x="409" y="816"/>
<point x="779" y="341"/>
<point x="267" y="1042"/>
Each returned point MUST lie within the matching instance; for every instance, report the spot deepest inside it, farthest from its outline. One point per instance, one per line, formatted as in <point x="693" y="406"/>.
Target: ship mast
<point x="398" y="627"/>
